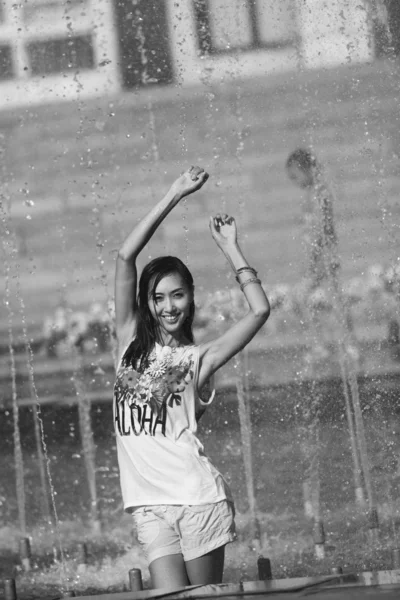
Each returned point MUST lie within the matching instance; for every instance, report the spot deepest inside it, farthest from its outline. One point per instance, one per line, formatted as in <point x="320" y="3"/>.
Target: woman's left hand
<point x="224" y="231"/>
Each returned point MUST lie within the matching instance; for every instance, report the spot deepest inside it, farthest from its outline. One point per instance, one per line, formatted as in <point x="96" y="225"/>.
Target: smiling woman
<point x="182" y="507"/>
<point x="171" y="303"/>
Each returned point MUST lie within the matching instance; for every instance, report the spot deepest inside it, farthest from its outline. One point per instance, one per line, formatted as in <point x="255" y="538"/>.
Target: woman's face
<point x="170" y="304"/>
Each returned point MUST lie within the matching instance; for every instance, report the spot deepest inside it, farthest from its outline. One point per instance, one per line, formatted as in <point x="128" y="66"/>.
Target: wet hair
<point x="302" y="158"/>
<point x="147" y="331"/>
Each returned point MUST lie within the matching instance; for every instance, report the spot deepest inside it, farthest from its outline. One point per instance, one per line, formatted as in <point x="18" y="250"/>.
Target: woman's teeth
<point x="171" y="319"/>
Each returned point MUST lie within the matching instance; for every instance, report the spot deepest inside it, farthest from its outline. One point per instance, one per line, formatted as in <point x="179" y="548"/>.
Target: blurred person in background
<point x="321" y="248"/>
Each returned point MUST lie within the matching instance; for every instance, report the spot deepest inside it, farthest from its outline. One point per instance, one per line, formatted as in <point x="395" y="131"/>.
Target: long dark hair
<point x="147" y="328"/>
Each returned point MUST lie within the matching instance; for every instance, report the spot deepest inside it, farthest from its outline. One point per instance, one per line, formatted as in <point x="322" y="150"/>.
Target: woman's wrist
<point x="173" y="197"/>
<point x="235" y="256"/>
<point x="231" y="249"/>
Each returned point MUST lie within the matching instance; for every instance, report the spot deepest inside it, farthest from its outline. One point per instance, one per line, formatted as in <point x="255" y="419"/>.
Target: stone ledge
<point x="346" y="583"/>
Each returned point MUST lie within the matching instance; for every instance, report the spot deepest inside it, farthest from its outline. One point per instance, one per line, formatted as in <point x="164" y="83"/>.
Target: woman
<point x="181" y="505"/>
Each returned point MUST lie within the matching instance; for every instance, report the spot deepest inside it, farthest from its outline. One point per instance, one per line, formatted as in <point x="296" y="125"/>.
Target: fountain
<point x="310" y="450"/>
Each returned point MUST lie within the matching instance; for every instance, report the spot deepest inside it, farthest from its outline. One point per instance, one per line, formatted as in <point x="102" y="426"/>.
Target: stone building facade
<point x="53" y="50"/>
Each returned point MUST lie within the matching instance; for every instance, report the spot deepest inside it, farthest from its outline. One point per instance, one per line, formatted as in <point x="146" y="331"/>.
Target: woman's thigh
<point x="168" y="572"/>
<point x="208" y="568"/>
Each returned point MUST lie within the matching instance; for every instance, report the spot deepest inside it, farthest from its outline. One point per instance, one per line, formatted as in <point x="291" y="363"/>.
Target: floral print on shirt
<point x="162" y="382"/>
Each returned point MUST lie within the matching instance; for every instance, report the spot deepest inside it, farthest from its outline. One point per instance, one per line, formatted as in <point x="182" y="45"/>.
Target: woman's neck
<point x="167" y="339"/>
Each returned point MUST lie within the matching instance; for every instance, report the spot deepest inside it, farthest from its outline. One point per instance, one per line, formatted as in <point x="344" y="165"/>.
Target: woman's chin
<point x="172" y="328"/>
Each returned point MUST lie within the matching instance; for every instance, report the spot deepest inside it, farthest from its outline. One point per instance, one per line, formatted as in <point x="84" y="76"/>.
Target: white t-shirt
<point x="161" y="461"/>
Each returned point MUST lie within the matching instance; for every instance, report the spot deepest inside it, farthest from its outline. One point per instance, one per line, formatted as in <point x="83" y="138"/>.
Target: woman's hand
<point x="223" y="229"/>
<point x="191" y="181"/>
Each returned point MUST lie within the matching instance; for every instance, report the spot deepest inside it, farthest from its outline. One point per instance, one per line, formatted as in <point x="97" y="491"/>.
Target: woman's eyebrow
<point x="181" y="289"/>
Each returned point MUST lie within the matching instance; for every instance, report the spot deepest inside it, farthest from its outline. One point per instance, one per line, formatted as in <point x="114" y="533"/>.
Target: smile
<point x="171" y="318"/>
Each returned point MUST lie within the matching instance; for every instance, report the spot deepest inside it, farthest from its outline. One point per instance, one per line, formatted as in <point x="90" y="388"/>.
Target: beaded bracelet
<point x="243" y="270"/>
<point x="252" y="280"/>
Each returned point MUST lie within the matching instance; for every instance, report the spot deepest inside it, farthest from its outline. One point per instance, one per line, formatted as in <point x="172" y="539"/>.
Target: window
<point x="45" y="37"/>
<point x="60" y="55"/>
<point x="45" y="44"/>
<point x="6" y="62"/>
<point x="202" y="26"/>
<point x="59" y="36"/>
<point x="231" y="25"/>
<point x="276" y="22"/>
<point x="45" y="13"/>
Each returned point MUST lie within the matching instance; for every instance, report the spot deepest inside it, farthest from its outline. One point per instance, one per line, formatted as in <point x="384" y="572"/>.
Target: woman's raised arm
<point x="218" y="351"/>
<point x="126" y="273"/>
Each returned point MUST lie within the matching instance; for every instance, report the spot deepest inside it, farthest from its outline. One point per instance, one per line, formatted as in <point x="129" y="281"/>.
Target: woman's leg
<point x="208" y="568"/>
<point x="168" y="572"/>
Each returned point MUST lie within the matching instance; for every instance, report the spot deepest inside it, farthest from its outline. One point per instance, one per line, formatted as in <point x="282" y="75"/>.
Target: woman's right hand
<point x="191" y="181"/>
<point x="223" y="230"/>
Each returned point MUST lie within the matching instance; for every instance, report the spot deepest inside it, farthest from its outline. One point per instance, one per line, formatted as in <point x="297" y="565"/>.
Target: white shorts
<point x="192" y="530"/>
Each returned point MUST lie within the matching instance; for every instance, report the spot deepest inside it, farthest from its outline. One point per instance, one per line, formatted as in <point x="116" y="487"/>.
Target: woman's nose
<point x="169" y="305"/>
